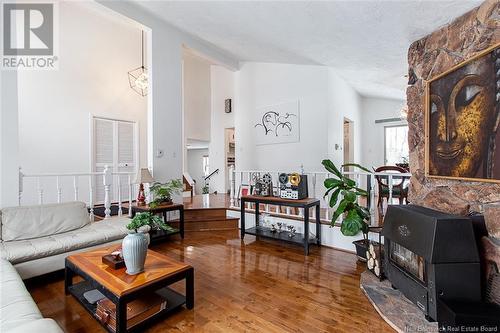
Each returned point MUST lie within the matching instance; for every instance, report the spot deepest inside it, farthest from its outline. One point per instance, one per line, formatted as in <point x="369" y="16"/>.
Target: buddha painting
<point x="463" y="117"/>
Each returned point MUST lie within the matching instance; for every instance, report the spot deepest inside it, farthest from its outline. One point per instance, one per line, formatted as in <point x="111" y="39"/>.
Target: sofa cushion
<point x="92" y="234"/>
<point x="25" y="222"/>
<point x="16" y="305"/>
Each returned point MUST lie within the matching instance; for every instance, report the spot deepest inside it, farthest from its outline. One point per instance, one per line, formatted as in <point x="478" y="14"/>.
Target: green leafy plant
<point x="205" y="189"/>
<point x="148" y="219"/>
<point x="162" y="192"/>
<point x="355" y="217"/>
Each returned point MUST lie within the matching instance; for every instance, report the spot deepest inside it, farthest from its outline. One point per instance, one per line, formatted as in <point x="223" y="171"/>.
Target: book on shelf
<point x="137" y="311"/>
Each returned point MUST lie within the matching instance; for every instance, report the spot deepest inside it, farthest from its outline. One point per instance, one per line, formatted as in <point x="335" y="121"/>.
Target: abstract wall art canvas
<point x="462" y="120"/>
<point x="278" y="123"/>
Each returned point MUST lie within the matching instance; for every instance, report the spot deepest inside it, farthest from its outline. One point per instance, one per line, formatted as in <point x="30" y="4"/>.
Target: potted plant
<point x="135" y="244"/>
<point x="162" y="192"/>
<point x="205" y="191"/>
<point x="354" y="216"/>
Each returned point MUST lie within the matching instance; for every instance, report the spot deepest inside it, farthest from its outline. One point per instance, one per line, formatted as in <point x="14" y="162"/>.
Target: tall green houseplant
<point x="355" y="217"/>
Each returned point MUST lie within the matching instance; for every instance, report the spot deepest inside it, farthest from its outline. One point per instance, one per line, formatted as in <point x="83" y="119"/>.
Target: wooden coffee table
<point x="121" y="288"/>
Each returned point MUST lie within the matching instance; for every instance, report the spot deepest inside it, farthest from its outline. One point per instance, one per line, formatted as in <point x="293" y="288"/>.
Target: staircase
<point x="208" y="219"/>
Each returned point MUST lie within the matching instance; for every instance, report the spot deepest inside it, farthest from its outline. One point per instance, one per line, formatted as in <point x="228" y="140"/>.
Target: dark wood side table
<point x="299" y="238"/>
<point x="161" y="209"/>
<point x="120" y="288"/>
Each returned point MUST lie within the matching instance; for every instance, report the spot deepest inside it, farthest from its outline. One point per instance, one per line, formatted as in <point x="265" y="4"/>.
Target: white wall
<point x="344" y="102"/>
<point x="96" y="51"/>
<point x="223" y="87"/>
<point x="165" y="100"/>
<point x="376" y="109"/>
<point x="9" y="149"/>
<point x="325" y="100"/>
<point x="55" y="107"/>
<point x="195" y="167"/>
<point x="197" y="99"/>
<point x="262" y="84"/>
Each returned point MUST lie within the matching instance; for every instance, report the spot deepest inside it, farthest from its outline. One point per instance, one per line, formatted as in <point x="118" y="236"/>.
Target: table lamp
<point x="143" y="176"/>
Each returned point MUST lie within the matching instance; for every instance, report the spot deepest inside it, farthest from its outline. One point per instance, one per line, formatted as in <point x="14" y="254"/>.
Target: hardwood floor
<point x="259" y="286"/>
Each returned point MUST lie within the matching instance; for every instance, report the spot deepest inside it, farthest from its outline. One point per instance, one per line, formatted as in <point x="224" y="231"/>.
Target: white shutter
<point x="103" y="141"/>
<point x="114" y="145"/>
<point x="103" y="153"/>
<point x="126" y="154"/>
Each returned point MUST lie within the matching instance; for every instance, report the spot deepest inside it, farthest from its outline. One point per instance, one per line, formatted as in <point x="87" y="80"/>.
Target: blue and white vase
<point x="134" y="250"/>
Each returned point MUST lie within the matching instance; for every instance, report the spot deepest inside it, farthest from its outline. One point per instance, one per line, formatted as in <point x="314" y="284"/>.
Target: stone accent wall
<point x="428" y="57"/>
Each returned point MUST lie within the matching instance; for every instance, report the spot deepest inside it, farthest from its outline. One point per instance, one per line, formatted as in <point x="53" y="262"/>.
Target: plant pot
<point x="206" y="200"/>
<point x="134" y="250"/>
<point x="361" y="248"/>
<point x="165" y="202"/>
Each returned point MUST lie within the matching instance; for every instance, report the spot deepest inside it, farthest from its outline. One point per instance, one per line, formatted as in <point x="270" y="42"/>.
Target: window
<point x="396" y="144"/>
<point x="206" y="166"/>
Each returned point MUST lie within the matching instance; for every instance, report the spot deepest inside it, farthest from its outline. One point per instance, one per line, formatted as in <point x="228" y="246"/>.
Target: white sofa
<point x="18" y="311"/>
<point x="35" y="240"/>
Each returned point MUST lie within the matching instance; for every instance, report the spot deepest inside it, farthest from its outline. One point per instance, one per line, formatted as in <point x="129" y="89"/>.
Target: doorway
<point x="348" y="142"/>
<point x="230" y="148"/>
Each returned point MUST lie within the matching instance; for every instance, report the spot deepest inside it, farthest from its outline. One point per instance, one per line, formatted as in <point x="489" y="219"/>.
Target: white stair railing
<point x="239" y="178"/>
<point x="107" y="177"/>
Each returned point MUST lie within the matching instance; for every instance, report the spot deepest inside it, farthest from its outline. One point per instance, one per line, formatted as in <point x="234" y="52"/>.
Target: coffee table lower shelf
<point x="174" y="302"/>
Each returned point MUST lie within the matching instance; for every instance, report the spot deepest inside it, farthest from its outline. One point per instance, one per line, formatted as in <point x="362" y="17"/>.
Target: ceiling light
<point x="138" y="77"/>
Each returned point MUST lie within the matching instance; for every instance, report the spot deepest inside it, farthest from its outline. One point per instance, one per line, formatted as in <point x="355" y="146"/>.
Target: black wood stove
<point x="431" y="257"/>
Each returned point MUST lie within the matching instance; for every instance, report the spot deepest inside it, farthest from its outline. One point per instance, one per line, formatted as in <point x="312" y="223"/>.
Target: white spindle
<point x="129" y="182"/>
<point x="372" y="199"/>
<point x="356" y="179"/>
<point x="314" y="184"/>
<point x="327" y="202"/>
<point x="107" y="180"/>
<point x="231" y="185"/>
<point x="91" y="199"/>
<point x="389" y="201"/>
<point x="59" y="190"/>
<point x="21" y="184"/>
<point x="119" y="195"/>
<point x="40" y="191"/>
<point x="75" y="187"/>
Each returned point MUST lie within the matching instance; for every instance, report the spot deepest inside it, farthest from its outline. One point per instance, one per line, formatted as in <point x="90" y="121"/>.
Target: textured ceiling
<point x="366" y="41"/>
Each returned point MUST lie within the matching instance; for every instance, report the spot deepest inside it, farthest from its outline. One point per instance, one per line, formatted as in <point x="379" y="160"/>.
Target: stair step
<point x="230" y="223"/>
<point x="209" y="218"/>
<point x="193" y="214"/>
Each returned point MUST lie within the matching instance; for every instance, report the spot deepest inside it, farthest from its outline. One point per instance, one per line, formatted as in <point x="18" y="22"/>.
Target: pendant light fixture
<point x="138" y="78"/>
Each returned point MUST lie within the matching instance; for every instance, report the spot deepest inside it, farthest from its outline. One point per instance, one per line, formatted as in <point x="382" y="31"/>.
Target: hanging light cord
<point x="142" y="48"/>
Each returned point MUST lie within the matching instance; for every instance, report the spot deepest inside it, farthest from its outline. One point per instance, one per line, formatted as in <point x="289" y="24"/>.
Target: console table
<point x="159" y="235"/>
<point x="299" y="238"/>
